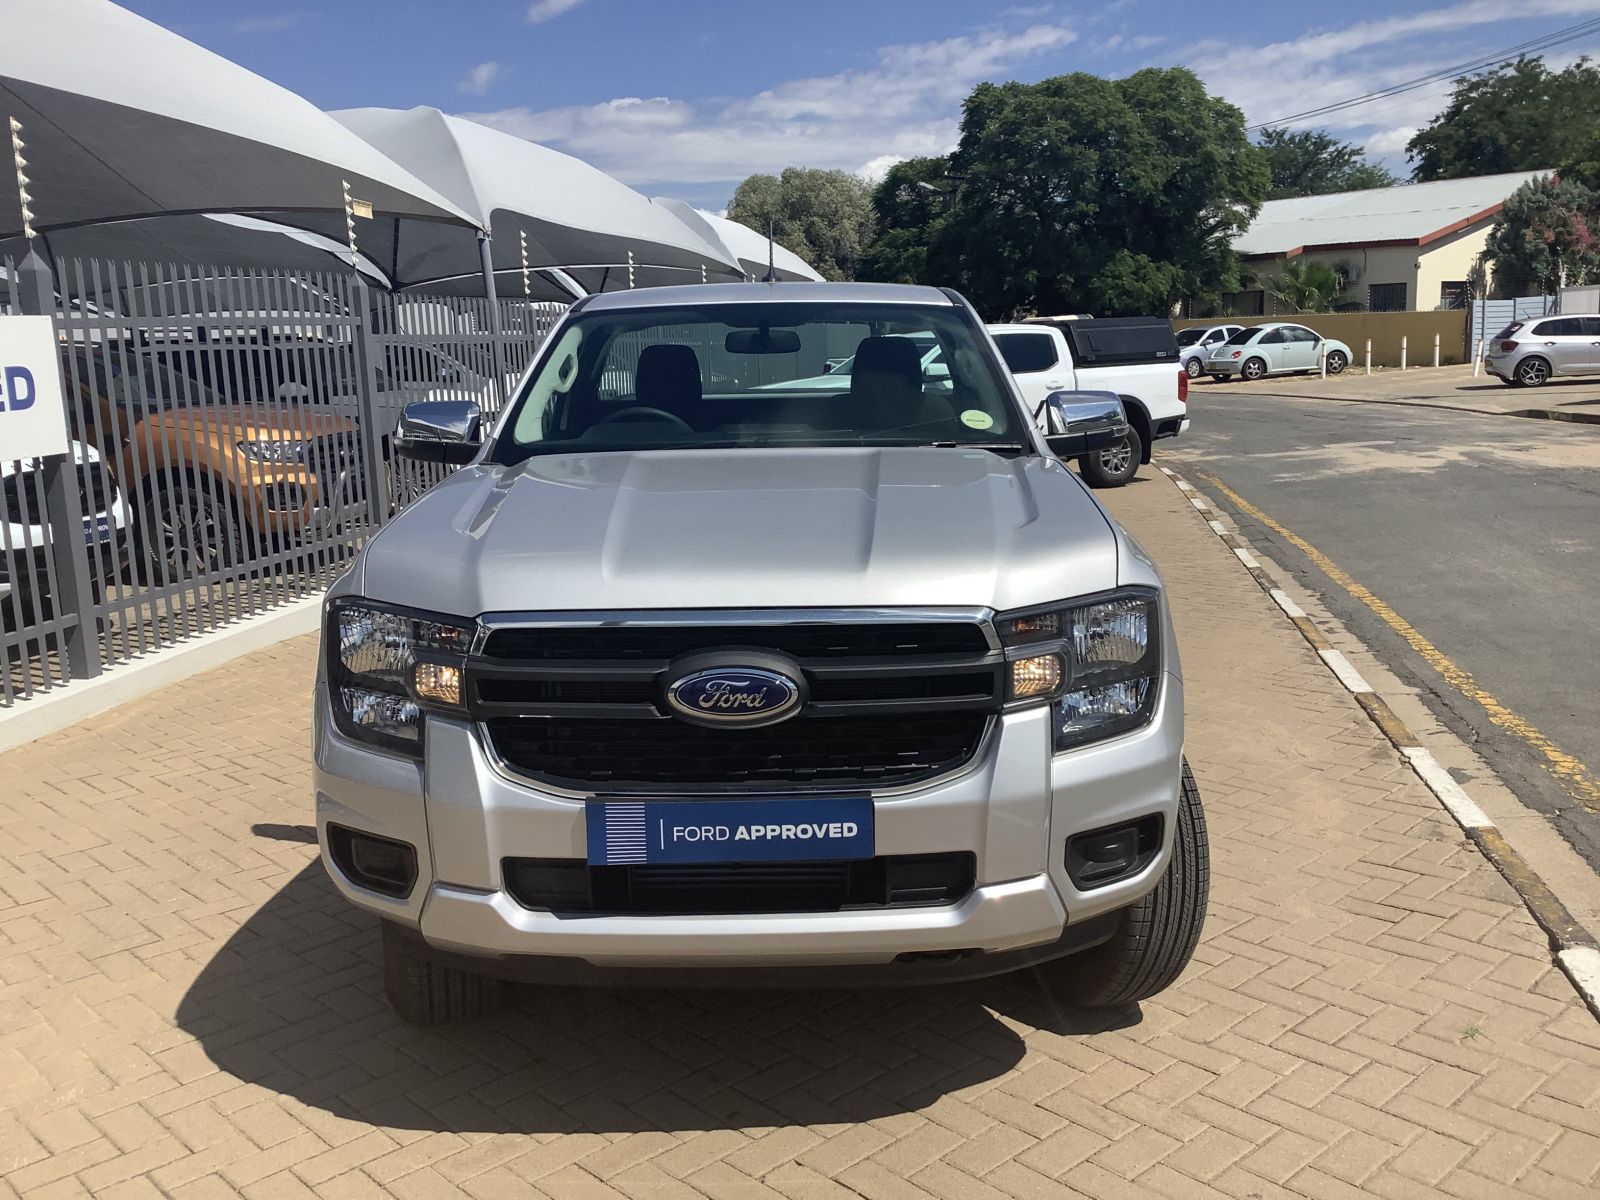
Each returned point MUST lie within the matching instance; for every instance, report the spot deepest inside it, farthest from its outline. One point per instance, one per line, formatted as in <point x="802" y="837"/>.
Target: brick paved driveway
<point x="186" y="1009"/>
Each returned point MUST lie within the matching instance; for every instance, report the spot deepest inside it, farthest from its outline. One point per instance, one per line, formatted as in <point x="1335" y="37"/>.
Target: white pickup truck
<point x="1135" y="357"/>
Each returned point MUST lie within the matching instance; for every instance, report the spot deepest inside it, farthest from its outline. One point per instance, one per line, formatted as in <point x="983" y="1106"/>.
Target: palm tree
<point x="1306" y="286"/>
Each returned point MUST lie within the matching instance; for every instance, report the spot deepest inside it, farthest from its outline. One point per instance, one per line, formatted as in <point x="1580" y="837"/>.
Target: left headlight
<point x="1097" y="663"/>
<point x="387" y="666"/>
<point x="272" y="450"/>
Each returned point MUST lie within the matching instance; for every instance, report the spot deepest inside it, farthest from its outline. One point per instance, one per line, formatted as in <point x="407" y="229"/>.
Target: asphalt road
<point x="1482" y="532"/>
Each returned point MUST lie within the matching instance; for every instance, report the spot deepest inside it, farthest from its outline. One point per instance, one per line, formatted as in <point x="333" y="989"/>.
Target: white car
<point x="1139" y="365"/>
<point x="25" y="577"/>
<point x="1196" y="343"/>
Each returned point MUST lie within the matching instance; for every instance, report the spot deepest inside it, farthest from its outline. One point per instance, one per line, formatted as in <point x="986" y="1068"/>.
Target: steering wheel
<point x="643" y="412"/>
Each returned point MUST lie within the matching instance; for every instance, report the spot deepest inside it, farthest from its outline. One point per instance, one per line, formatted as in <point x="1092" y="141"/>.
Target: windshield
<point x="1240" y="338"/>
<point x="740" y="376"/>
<point x="1188" y="337"/>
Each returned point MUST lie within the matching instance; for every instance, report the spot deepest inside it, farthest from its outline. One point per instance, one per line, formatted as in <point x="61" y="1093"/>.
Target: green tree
<point x="1084" y="194"/>
<point x="1304" y="286"/>
<point x="1544" y="236"/>
<point x="823" y="216"/>
<point x="1520" y="117"/>
<point x="1309" y="162"/>
<point x="910" y="208"/>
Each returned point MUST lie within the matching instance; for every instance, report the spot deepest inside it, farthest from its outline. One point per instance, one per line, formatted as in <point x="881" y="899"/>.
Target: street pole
<point x="1369" y="356"/>
<point x="1436" y="349"/>
<point x="1403" y="341"/>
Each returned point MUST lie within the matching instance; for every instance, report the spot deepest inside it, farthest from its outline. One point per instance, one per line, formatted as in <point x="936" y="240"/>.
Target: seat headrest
<point x="667" y="376"/>
<point x="886" y="382"/>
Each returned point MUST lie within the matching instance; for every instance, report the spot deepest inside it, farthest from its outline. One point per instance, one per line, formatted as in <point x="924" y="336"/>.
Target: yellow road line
<point x="1570" y="771"/>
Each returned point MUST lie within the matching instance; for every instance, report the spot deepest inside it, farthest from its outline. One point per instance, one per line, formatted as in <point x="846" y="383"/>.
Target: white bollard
<point x="1322" y="358"/>
<point x="1403" y="341"/>
<point x="1477" y="359"/>
<point x="1369" y="356"/>
<point x="1436" y="349"/>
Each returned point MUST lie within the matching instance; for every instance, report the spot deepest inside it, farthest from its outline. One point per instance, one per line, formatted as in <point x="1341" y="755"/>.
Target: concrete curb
<point x="1536" y="414"/>
<point x="1574" y="948"/>
<point x="53" y="710"/>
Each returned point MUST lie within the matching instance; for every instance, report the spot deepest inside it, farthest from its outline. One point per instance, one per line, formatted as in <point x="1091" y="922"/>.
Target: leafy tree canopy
<point x="1546" y="234"/>
<point x="823" y="216"/>
<point x="1078" y="194"/>
<point x="1309" y="162"/>
<point x="1520" y="117"/>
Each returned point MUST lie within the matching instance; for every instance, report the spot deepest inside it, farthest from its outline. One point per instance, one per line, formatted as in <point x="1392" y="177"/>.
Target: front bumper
<point x="1015" y="807"/>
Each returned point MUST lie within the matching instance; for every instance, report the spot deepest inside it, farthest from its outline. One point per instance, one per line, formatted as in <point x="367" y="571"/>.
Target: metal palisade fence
<point x="230" y="434"/>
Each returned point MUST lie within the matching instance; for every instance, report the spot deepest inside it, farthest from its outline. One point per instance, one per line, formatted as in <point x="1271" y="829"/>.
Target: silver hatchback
<point x="1530" y="352"/>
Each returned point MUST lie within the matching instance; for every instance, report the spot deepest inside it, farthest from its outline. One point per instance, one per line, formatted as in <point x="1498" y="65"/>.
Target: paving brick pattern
<point x="187" y="1010"/>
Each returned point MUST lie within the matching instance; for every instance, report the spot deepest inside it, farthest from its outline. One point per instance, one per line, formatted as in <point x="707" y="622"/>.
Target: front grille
<point x="570" y="885"/>
<point x="22" y="495"/>
<point x="888" y="702"/>
<point x="802" y="640"/>
<point x="605" y="754"/>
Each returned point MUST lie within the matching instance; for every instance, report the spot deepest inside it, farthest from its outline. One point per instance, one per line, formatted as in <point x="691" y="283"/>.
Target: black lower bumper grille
<point x="564" y="885"/>
<point x="874" y="750"/>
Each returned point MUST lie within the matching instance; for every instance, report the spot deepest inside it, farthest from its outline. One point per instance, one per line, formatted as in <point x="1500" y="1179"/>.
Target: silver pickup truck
<point x="686" y="677"/>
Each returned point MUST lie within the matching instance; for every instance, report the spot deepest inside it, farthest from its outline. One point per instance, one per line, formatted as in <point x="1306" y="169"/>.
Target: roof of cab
<point x="799" y="292"/>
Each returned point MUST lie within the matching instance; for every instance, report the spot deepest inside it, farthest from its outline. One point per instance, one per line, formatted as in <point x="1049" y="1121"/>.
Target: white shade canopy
<point x="570" y="213"/>
<point x="743" y="243"/>
<point x="124" y="119"/>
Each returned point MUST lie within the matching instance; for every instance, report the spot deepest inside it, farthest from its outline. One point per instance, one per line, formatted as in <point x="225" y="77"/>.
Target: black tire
<point x="1192" y="368"/>
<point x="1157" y="936"/>
<point x="1253" y="369"/>
<point x="190" y="529"/>
<point x="424" y="992"/>
<point x="1220" y="378"/>
<point x="1532" y="371"/>
<point x="1114" y="467"/>
<point x="1337" y="362"/>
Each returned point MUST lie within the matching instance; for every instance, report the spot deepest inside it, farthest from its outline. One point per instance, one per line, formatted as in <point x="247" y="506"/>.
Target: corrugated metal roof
<point x="1408" y="212"/>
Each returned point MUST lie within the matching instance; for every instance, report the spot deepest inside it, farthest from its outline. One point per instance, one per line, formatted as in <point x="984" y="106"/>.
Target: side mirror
<point x="440" y="431"/>
<point x="1082" y="422"/>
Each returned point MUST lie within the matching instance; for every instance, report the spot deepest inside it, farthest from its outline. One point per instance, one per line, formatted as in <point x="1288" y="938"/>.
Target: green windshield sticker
<point x="976" y="418"/>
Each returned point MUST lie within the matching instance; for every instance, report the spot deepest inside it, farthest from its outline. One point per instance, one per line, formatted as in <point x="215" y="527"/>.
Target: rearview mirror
<point x="1077" y="423"/>
<point x="440" y="431"/>
<point x="761" y="341"/>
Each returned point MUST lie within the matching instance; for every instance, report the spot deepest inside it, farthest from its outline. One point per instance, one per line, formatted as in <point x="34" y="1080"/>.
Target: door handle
<point x="1056" y="383"/>
<point x="1549" y="343"/>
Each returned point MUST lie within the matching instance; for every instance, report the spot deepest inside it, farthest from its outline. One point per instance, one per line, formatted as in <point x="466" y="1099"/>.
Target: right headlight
<point x="1096" y="662"/>
<point x="387" y="666"/>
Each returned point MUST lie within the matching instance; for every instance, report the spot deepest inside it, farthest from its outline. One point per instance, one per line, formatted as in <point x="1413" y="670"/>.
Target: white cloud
<point x="1338" y="63"/>
<point x="481" y="77"/>
<point x="906" y="103"/>
<point x="549" y="10"/>
<point x="875" y="169"/>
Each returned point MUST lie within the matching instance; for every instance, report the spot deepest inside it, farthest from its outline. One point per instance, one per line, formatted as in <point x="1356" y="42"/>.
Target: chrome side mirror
<point x="440" y="431"/>
<point x="1077" y="423"/>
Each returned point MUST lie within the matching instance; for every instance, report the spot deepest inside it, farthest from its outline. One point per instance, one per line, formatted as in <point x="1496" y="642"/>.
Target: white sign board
<point x="33" y="415"/>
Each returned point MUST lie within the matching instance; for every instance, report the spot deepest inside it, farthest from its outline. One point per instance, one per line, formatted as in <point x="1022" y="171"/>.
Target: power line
<point x="1500" y="58"/>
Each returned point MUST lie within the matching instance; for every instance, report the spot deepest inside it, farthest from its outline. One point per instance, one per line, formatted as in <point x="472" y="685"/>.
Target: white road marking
<point x="1462" y="806"/>
<point x="1348" y="675"/>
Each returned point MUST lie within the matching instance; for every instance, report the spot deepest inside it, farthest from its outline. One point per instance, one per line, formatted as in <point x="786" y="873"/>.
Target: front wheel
<point x="1192" y="368"/>
<point x="1115" y="465"/>
<point x="425" y="992"/>
<point x="1337" y="362"/>
<point x="1158" y="934"/>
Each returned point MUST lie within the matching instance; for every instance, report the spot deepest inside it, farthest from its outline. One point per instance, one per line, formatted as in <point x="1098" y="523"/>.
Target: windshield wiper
<point x="997" y="447"/>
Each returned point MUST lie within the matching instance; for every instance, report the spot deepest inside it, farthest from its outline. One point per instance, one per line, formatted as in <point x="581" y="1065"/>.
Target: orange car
<point x="215" y="483"/>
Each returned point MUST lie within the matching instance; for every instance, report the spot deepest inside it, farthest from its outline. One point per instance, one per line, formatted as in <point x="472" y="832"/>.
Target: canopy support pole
<point x="496" y="340"/>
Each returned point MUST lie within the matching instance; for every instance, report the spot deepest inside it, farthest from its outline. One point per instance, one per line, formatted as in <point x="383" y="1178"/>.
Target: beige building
<point x="1409" y="247"/>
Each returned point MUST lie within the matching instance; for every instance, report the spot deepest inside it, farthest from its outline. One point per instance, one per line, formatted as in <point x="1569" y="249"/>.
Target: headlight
<point x="387" y="666"/>
<point x="272" y="450"/>
<point x="1097" y="664"/>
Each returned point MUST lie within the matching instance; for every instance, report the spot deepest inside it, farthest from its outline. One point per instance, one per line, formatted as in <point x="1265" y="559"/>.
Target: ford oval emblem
<point x="734" y="695"/>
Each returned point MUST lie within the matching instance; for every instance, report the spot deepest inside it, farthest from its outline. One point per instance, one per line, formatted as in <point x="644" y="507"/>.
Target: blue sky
<point x="685" y="98"/>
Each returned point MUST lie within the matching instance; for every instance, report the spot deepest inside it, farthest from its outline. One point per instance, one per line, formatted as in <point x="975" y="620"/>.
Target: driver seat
<point x="668" y="378"/>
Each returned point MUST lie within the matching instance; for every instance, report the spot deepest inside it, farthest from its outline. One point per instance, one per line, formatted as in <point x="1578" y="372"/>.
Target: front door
<point x="1561" y="341"/>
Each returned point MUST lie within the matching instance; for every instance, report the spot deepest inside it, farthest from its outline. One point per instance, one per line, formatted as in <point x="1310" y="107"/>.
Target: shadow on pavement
<point x="294" y="1002"/>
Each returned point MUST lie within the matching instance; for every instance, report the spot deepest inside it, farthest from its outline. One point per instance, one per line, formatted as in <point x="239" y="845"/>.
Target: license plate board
<point x="726" y="831"/>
